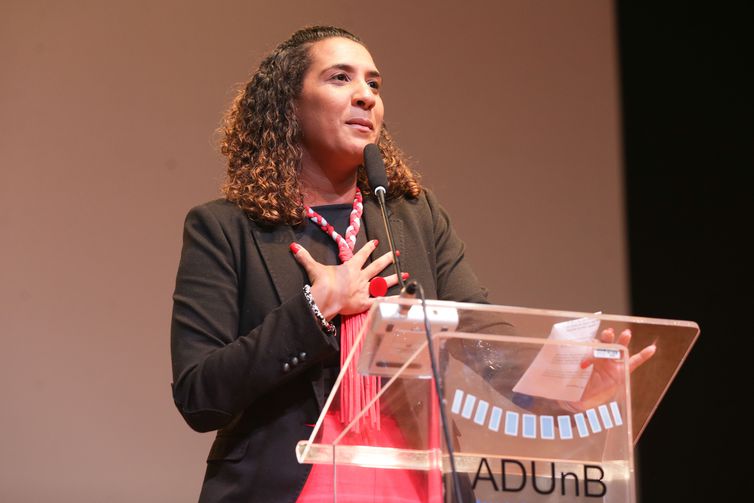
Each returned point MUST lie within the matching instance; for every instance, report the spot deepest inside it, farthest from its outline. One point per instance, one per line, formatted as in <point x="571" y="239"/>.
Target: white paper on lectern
<point x="556" y="372"/>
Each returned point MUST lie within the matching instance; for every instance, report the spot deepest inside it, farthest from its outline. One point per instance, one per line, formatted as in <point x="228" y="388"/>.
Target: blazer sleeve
<point x="217" y="372"/>
<point x="455" y="279"/>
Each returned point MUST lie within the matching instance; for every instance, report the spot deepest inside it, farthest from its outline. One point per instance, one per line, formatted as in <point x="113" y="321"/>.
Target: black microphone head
<point x="375" y="167"/>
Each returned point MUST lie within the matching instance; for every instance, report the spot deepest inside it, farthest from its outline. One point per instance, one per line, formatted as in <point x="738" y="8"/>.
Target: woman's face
<point x="339" y="110"/>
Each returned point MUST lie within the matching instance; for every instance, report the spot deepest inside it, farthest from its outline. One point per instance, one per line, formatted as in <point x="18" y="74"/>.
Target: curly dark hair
<point x="261" y="137"/>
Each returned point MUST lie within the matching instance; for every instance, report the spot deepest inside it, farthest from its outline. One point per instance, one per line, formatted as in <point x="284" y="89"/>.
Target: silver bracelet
<point x="327" y="327"/>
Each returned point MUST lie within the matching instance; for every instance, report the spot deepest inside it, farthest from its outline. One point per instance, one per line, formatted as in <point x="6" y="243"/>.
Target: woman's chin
<point x="358" y="148"/>
<point x="354" y="153"/>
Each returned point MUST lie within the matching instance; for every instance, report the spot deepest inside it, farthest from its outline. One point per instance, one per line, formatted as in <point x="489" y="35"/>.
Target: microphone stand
<point x="440" y="395"/>
<point x="380" y="193"/>
<point x="410" y="289"/>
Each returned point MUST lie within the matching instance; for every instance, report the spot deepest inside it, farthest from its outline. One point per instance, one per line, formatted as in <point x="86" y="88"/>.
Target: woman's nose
<point x="363" y="96"/>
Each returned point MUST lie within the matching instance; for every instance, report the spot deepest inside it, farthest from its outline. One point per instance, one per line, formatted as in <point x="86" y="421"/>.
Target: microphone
<point x="375" y="168"/>
<point x="377" y="177"/>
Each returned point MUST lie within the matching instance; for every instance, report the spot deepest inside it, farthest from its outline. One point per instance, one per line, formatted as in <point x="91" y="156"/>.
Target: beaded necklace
<point x="355" y="391"/>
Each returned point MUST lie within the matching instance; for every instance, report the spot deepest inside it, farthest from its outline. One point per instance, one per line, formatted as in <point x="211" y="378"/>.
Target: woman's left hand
<point x="608" y="374"/>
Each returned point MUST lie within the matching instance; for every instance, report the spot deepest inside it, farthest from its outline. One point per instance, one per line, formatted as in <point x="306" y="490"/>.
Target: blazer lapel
<point x="287" y="275"/>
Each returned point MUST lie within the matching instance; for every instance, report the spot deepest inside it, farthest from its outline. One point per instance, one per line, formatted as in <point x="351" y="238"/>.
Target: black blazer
<point x="239" y="316"/>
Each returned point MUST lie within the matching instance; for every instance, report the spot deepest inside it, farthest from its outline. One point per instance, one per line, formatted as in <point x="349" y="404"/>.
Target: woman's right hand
<point x="344" y="288"/>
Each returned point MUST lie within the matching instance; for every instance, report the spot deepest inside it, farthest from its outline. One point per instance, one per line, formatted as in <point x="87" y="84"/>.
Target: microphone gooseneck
<point x="377" y="177"/>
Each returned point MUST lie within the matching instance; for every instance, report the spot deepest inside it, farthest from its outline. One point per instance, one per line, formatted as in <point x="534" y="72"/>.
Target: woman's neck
<point x="320" y="187"/>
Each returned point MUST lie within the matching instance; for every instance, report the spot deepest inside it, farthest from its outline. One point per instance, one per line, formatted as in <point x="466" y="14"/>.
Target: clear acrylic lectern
<point x="537" y="409"/>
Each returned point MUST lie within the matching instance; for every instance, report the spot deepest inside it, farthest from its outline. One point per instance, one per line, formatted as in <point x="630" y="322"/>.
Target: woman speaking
<point x="274" y="278"/>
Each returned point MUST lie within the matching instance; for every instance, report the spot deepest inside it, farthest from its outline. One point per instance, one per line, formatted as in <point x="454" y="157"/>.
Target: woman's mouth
<point x="359" y="124"/>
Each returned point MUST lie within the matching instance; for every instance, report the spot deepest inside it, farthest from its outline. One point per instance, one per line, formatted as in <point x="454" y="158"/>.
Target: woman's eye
<point x="374" y="84"/>
<point x="341" y="77"/>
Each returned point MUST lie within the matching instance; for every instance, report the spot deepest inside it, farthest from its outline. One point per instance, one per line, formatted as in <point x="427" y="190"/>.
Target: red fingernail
<point x="397" y="253"/>
<point x="295" y="247"/>
<point x="404" y="275"/>
<point x="376" y="242"/>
